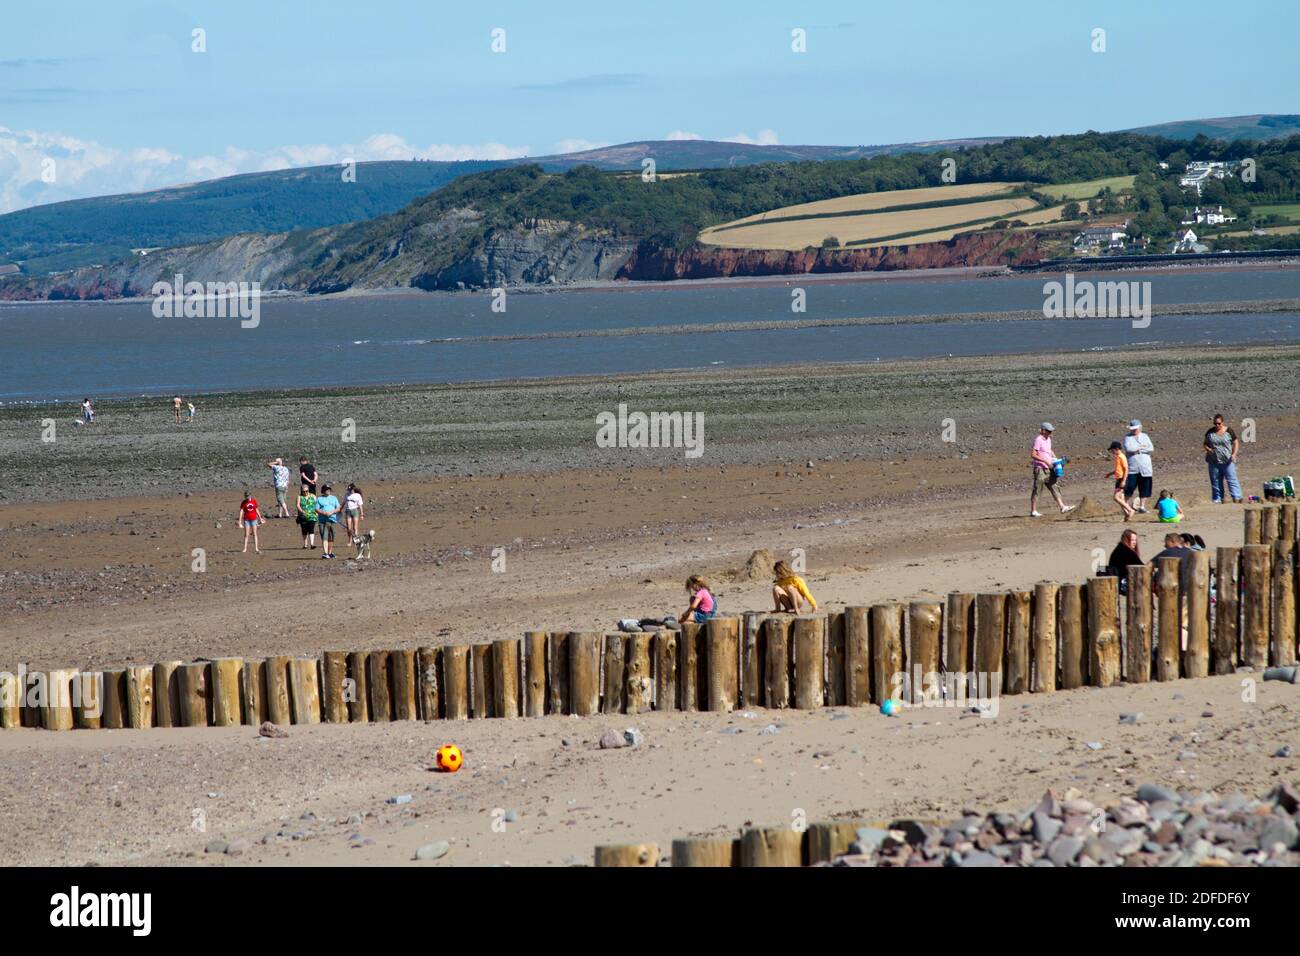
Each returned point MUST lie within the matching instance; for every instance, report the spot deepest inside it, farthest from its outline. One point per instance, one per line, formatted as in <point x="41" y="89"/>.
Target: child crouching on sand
<point x="789" y="590"/>
<point x="1168" y="508"/>
<point x="702" y="606"/>
<point x="250" y="516"/>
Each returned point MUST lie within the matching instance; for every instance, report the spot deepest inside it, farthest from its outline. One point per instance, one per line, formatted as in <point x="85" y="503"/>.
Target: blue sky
<point x="114" y="92"/>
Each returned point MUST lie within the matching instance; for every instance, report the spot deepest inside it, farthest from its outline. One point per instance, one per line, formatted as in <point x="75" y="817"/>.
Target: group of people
<point x="318" y="510"/>
<point x="789" y="595"/>
<point x="176" y="408"/>
<point x="1132" y="471"/>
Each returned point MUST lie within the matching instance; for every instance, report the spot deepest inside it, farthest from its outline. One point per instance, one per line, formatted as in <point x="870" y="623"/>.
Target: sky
<point x="106" y="97"/>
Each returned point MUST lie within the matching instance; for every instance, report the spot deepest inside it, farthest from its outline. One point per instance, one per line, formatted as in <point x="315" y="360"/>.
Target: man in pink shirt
<point x="1042" y="458"/>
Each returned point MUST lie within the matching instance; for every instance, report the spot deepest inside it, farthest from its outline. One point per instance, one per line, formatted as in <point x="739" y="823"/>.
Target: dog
<point x="362" y="543"/>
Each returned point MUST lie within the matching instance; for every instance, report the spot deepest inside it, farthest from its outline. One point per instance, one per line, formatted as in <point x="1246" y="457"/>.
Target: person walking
<point x="327" y="519"/>
<point x="1138" y="448"/>
<point x="1221" y="448"/>
<point x="1043" y="461"/>
<point x="280" y="476"/>
<point x="87" y="411"/>
<point x="1119" y="471"/>
<point x="176" y="408"/>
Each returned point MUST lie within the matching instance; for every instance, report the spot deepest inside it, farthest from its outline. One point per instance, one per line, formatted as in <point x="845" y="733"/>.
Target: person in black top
<point x="307" y="472"/>
<point x="1125" y="553"/>
<point x="1175" y="547"/>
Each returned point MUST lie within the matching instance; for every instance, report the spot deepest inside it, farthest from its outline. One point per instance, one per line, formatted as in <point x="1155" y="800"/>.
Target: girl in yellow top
<point x="789" y="591"/>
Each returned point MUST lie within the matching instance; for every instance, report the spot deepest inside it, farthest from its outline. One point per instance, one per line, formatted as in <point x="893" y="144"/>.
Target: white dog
<point x="362" y="543"/>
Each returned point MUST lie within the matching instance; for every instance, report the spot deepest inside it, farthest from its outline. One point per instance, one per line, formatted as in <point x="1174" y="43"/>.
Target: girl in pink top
<point x="702" y="606"/>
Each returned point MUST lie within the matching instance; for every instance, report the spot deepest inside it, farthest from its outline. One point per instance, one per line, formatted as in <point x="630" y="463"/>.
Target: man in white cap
<point x="1043" y="460"/>
<point x="1138" y="448"/>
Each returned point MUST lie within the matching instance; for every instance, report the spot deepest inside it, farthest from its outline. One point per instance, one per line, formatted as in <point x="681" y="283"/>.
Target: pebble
<point x="1283" y="751"/>
<point x="1093" y="745"/>
<point x="400" y="799"/>
<point x="771" y="730"/>
<point x="633" y="737"/>
<point x="1130" y="718"/>
<point x="433" y="851"/>
<point x="612" y="740"/>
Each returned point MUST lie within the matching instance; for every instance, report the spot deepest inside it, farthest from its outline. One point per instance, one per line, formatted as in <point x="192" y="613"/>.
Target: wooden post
<point x="1282" y="616"/>
<point x="535" y="673"/>
<point x="959" y="638"/>
<point x="558" y="699"/>
<point x="886" y="651"/>
<point x="333" y="673"/>
<point x="89" y="705"/>
<point x="455" y="682"/>
<point x="505" y="677"/>
<point x="304" y="690"/>
<point x="1044" y="651"/>
<point x="665" y="670"/>
<point x="826" y="841"/>
<point x="835" y="656"/>
<point x="809" y="652"/>
<point x="359" y="674"/>
<point x="753" y="659"/>
<point x="688" y="670"/>
<point x="1196" y="595"/>
<point x="428" y="660"/>
<point x="640" y="684"/>
<point x="277" y="690"/>
<point x="1286" y="528"/>
<point x="35" y="685"/>
<point x="11" y="701"/>
<point x="224" y="691"/>
<point x="381" y="688"/>
<point x="776" y="672"/>
<point x="1252" y="525"/>
<point x="252" y="680"/>
<point x="1227" y="611"/>
<point x="1255" y="596"/>
<point x="401" y="677"/>
<point x="481" y="684"/>
<point x="857" y="656"/>
<point x="166" y="694"/>
<point x="1169" y="618"/>
<point x="772" y="846"/>
<point x="723" y="663"/>
<point x="990" y="639"/>
<point x="1137" y="658"/>
<point x="56" y="712"/>
<point x="584" y="672"/>
<point x="712" y="853"/>
<point x="1269" y="522"/>
<point x="140" y="695"/>
<point x="1069" y="629"/>
<point x="925" y="634"/>
<point x="1017" y="667"/>
<point x="630" y="854"/>
<point x="192" y="688"/>
<point x="615" y="673"/>
<point x="1103" y="631"/>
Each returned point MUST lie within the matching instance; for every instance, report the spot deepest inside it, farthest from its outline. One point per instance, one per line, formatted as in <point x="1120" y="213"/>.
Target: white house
<point x="1186" y="242"/>
<point x="1094" y="237"/>
<point x="1209" y="216"/>
<point x="1198" y="172"/>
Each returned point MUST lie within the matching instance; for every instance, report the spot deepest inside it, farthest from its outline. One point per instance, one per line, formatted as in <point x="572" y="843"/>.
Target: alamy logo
<point x="653" y="430"/>
<point x="103" y="909"/>
<point x="1086" y="299"/>
<point x="213" y="300"/>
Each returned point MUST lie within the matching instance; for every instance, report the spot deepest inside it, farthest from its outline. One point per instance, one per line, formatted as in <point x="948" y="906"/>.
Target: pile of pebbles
<point x="1157" y="827"/>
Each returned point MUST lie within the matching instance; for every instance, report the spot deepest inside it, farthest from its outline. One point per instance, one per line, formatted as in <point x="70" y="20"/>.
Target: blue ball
<point x="890" y="707"/>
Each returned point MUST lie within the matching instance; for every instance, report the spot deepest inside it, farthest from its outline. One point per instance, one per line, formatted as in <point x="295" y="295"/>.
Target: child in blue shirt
<point x="1168" y="507"/>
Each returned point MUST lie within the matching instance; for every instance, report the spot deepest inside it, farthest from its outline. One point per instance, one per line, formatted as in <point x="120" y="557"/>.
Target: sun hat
<point x="1047" y="427"/>
<point x="1134" y="423"/>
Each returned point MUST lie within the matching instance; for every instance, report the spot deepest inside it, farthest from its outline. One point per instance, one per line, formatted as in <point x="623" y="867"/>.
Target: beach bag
<point x="1274" y="489"/>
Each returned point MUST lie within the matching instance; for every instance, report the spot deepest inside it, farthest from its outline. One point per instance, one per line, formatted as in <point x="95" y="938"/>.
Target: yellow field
<point x="869" y="201"/>
<point x="1036" y="218"/>
<point x="810" y="232"/>
<point x="1068" y="191"/>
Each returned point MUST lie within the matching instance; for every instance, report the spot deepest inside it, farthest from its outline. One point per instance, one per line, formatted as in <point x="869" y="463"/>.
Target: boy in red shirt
<point x="250" y="516"/>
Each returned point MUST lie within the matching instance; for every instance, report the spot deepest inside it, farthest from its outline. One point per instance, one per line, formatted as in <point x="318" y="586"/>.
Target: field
<point x="1289" y="211"/>
<point x="1070" y="191"/>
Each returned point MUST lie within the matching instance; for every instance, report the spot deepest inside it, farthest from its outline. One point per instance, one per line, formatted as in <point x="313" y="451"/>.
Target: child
<point x="702" y="606"/>
<point x="1168" y="507"/>
<point x="191" y="408"/>
<point x="789" y="591"/>
<point x="307" y="517"/>
<point x="1119" y="471"/>
<point x="354" y="511"/>
<point x="250" y="517"/>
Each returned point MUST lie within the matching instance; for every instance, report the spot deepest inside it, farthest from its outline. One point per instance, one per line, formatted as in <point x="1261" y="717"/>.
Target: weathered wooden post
<point x="276" y="672"/>
<point x="1137" y="659"/>
<point x="772" y="846"/>
<point x="615" y="673"/>
<point x="401" y="675"/>
<point x="333" y="673"/>
<point x="252" y="688"/>
<point x="886" y="651"/>
<point x="480" y="668"/>
<point x="224" y="691"/>
<point x="1252" y="525"/>
<point x="1282" y="619"/>
<point x="584" y="672"/>
<point x="359" y="674"/>
<point x="35" y="687"/>
<point x="665" y="670"/>
<point x="1073" y="653"/>
<point x="535" y="673"/>
<point x="429" y="661"/>
<point x="753" y="659"/>
<point x="959" y="640"/>
<point x="857" y="656"/>
<point x="640" y="683"/>
<point x="455" y="682"/>
<point x="558" y="698"/>
<point x="1169" y="615"/>
<point x="140" y="696"/>
<point x="925" y="634"/>
<point x="11" y="701"/>
<point x="723" y="662"/>
<point x="1196" y="594"/>
<point x="809" y="654"/>
<point x="192" y="680"/>
<point x="304" y="690"/>
<point x="1268" y="526"/>
<point x="1016" y="667"/>
<point x="379" y="682"/>
<point x="1043" y="656"/>
<point x="505" y="678"/>
<point x="166" y="694"/>
<point x="1286" y="528"/>
<point x="89" y="705"/>
<point x="1103" y="631"/>
<point x="990" y="638"/>
<point x="776" y="674"/>
<point x="835" y="657"/>
<point x="690" y="666"/>
<point x="629" y="854"/>
<point x="1255" y="598"/>
<point x="826" y="841"/>
<point x="711" y="853"/>
<point x="56" y="711"/>
<point x="1227" y="611"/>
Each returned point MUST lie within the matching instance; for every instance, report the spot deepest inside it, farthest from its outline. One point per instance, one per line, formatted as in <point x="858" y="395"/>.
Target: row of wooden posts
<point x="1014" y="642"/>
<point x="756" y="846"/>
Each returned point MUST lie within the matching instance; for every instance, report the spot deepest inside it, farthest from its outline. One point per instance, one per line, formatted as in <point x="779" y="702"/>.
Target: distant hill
<point x="1256" y="126"/>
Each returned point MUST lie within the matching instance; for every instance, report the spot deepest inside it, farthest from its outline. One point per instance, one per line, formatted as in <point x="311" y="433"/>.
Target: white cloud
<point x="577" y="145"/>
<point x="81" y="168"/>
<point x="765" y="137"/>
<point x="678" y="134"/>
